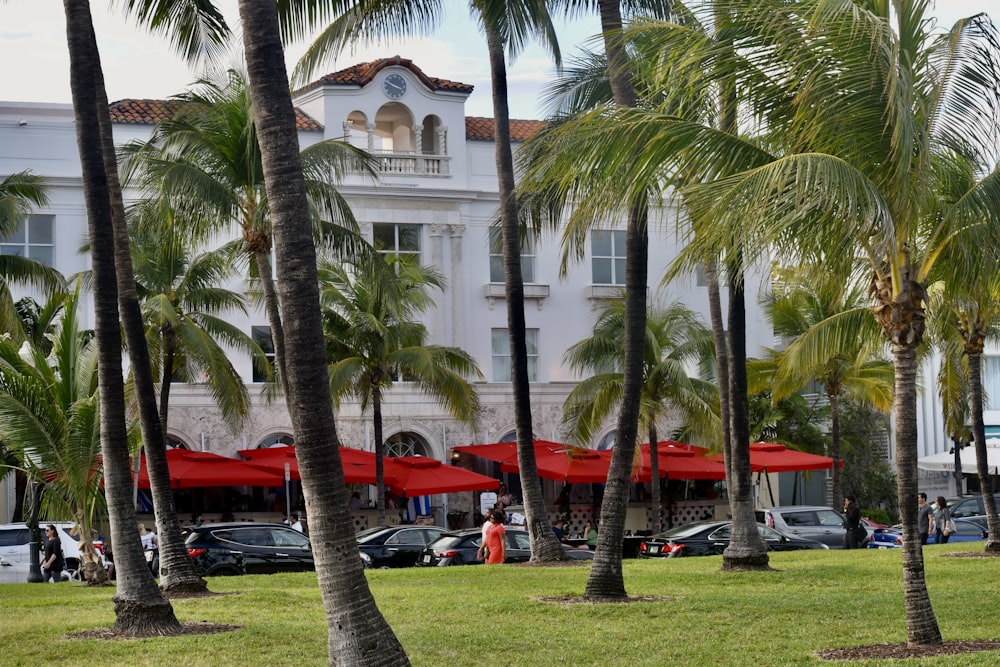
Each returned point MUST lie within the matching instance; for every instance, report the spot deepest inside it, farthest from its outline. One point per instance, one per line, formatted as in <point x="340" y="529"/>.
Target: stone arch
<point x="177" y="441"/>
<point x="393" y="131"/>
<point x="433" y="139"/>
<point x="607" y="440"/>
<point x="356" y="129"/>
<point x="276" y="439"/>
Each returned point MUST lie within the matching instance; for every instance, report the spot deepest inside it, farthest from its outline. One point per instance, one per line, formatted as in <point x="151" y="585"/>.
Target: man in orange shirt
<point x="496" y="540"/>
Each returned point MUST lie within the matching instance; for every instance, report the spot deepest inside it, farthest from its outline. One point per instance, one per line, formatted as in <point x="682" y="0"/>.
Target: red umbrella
<point x="359" y="466"/>
<point x="679" y="461"/>
<point x="197" y="469"/>
<point x="414" y="476"/>
<point x="574" y="465"/>
<point x="772" y="457"/>
<point x="505" y="453"/>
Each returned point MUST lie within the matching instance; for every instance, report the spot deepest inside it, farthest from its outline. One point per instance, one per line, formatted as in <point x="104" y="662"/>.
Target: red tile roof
<point x="150" y="112"/>
<point x="481" y="129"/>
<point x="362" y="74"/>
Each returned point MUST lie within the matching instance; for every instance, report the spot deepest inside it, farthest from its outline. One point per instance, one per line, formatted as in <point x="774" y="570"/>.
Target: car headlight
<point x="366" y="559"/>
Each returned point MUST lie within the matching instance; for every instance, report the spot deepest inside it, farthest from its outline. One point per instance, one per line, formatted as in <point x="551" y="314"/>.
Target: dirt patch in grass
<point x="579" y="599"/>
<point x="555" y="563"/>
<point x="188" y="595"/>
<point x="970" y="554"/>
<point x="186" y="629"/>
<point x="901" y="651"/>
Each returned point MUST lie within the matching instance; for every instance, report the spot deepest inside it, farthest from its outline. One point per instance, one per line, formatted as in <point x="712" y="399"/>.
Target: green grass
<point x="477" y="615"/>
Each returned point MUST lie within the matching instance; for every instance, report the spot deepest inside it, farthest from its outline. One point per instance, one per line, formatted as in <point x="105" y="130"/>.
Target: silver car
<point x="811" y="522"/>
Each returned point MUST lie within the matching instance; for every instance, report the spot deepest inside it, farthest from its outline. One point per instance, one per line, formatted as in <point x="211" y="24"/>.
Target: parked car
<point x="810" y="522"/>
<point x="15" y="539"/>
<point x="710" y="538"/>
<point x="971" y="508"/>
<point x="460" y="547"/>
<point x="264" y="548"/>
<point x="395" y="546"/>
<point x="888" y="538"/>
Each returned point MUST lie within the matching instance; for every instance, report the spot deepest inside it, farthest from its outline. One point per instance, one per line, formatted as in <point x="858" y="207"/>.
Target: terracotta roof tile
<point x="362" y="74"/>
<point x="150" y="112"/>
<point x="481" y="129"/>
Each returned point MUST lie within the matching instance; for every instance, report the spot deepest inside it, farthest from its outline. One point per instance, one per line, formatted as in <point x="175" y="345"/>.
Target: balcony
<point x="411" y="162"/>
<point x="532" y="292"/>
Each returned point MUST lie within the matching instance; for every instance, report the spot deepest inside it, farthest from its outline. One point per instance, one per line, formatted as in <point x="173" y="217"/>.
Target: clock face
<point x="394" y="86"/>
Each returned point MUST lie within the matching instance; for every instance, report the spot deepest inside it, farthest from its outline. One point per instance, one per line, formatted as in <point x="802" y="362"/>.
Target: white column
<point x="371" y="136"/>
<point x="438" y="333"/>
<point x="418" y="141"/>
<point x="457" y="287"/>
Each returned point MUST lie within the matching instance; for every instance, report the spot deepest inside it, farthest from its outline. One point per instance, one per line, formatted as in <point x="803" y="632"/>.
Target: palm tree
<point x="507" y="27"/>
<point x="20" y="193"/>
<point x="833" y="341"/>
<point x="49" y="418"/>
<point x="675" y="337"/>
<point x="358" y="633"/>
<point x="182" y="303"/>
<point x="140" y="608"/>
<point x="206" y="162"/>
<point x="370" y="304"/>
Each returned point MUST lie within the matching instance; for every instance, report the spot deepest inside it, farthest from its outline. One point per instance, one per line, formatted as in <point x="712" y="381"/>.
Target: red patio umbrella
<point x="505" y="453"/>
<point x="359" y="466"/>
<point x="573" y="465"/>
<point x="414" y="476"/>
<point x="772" y="457"/>
<point x="190" y="469"/>
<point x="679" y="461"/>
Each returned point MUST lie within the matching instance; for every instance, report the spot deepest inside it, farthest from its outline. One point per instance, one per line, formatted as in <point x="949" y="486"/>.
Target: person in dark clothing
<point x="852" y="522"/>
<point x="924" y="520"/>
<point x="53" y="563"/>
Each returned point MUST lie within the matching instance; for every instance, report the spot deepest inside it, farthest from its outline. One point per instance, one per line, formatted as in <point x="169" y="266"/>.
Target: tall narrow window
<point x="991" y="382"/>
<point x="32" y="239"/>
<point x="496" y="258"/>
<point x="607" y="257"/>
<point x="393" y="239"/>
<point x="262" y="336"/>
<point x="501" y="355"/>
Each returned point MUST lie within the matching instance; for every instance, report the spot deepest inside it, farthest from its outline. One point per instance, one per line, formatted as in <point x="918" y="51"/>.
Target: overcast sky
<point x="137" y="65"/>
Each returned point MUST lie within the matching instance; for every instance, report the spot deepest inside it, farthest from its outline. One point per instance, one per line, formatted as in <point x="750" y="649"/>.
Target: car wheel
<point x="383" y="567"/>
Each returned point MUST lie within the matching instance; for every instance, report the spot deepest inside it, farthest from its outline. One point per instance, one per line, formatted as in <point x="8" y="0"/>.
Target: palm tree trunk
<point x="656" y="497"/>
<point x="746" y="550"/>
<point x="721" y="360"/>
<point x="921" y="624"/>
<point x="273" y="309"/>
<point x="379" y="453"/>
<point x="838" y="493"/>
<point x="140" y="608"/>
<point x="178" y="573"/>
<point x="979" y="435"/>
<point x="544" y="545"/>
<point x="358" y="633"/>
<point x="605" y="580"/>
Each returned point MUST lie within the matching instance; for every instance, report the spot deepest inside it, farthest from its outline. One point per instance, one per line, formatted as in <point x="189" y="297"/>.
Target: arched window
<point x="608" y="441"/>
<point x="406" y="444"/>
<point x="175" y="443"/>
<point x="276" y="440"/>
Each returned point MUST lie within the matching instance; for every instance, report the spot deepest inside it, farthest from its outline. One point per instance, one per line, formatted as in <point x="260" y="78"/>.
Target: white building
<point x="437" y="197"/>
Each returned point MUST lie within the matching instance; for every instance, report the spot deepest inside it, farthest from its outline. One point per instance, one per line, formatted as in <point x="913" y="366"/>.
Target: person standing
<point x="942" y="521"/>
<point x="925" y="522"/>
<point x="53" y="563"/>
<point x="496" y="540"/>
<point x="486" y="529"/>
<point x="852" y="522"/>
<point x="148" y="537"/>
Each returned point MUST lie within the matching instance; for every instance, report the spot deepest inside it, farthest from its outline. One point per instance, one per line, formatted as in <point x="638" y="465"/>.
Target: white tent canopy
<point x="945" y="461"/>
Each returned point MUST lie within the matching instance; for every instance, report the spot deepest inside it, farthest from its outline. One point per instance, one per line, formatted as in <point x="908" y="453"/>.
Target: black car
<point x="264" y="548"/>
<point x="460" y="547"/>
<point x="395" y="546"/>
<point x="710" y="538"/>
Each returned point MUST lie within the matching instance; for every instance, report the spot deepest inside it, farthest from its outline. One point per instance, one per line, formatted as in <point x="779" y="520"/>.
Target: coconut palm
<point x="140" y="608"/>
<point x="507" y="27"/>
<point x="675" y="339"/>
<point x="205" y="161"/>
<point x="833" y="341"/>
<point x="20" y="194"/>
<point x="49" y="418"/>
<point x="370" y="306"/>
<point x="184" y="306"/>
<point x="358" y="633"/>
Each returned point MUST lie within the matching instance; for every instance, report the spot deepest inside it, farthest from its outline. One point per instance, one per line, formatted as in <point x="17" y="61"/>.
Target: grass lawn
<point x="466" y="616"/>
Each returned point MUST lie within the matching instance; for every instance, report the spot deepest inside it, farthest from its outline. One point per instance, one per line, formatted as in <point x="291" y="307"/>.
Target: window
<point x="501" y="355"/>
<point x="607" y="257"/>
<point x="991" y="383"/>
<point x="262" y="336"/>
<point x="405" y="444"/>
<point x="496" y="258"/>
<point x="32" y="239"/>
<point x="393" y="239"/>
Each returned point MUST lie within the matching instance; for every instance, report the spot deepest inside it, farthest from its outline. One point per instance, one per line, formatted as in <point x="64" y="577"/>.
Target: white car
<point x="15" y="551"/>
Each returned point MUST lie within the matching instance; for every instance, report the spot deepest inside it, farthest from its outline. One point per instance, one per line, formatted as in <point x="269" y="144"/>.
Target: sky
<point x="139" y="65"/>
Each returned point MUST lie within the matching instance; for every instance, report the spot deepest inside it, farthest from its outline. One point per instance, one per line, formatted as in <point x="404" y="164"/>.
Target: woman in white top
<point x="148" y="537"/>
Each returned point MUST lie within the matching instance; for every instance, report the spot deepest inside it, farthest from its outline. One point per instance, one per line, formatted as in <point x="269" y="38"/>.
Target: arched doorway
<point x="276" y="440"/>
<point x="406" y="443"/>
